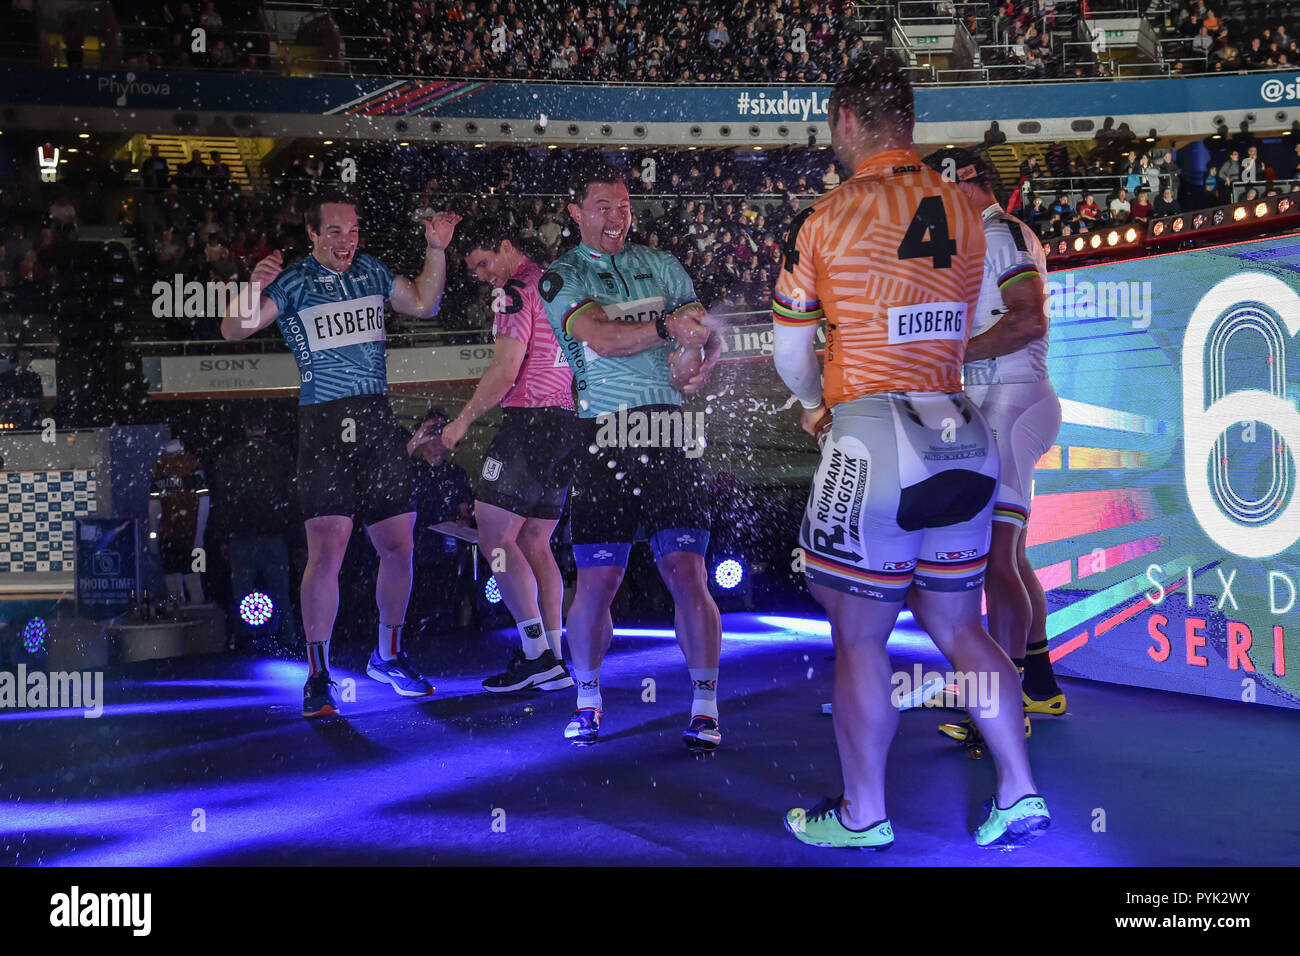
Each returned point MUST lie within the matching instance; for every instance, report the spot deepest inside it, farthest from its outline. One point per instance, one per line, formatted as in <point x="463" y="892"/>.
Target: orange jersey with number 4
<point x="893" y="260"/>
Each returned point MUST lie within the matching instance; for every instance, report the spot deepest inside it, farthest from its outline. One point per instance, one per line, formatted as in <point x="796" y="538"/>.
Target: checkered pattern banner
<point x="38" y="520"/>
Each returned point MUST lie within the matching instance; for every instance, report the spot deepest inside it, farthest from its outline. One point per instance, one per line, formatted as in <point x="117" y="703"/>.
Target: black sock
<point x="1039" y="681"/>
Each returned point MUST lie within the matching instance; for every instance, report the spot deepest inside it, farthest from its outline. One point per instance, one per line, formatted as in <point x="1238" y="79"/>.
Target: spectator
<point x="210" y="228"/>
<point x="1141" y="210"/>
<point x="63" y="216"/>
<point x="550" y="232"/>
<point x="1167" y="203"/>
<point x="1036" y="213"/>
<point x="168" y="251"/>
<point x="1213" y="187"/>
<point x="218" y="173"/>
<point x="210" y="19"/>
<point x="1120" y="207"/>
<point x="1063" y="208"/>
<point x="831" y="178"/>
<point x="1171" y="172"/>
<point x="192" y="176"/>
<point x="223" y="57"/>
<point x="1150" y="175"/>
<point x="153" y="171"/>
<point x="1202" y="43"/>
<point x="718" y="38"/>
<point x="1250" y="169"/>
<point x="1230" y="171"/>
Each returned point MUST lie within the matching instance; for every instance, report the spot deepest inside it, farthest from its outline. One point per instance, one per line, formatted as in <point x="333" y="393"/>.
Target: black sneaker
<point x="318" y="696"/>
<point x="399" y="672"/>
<point x="558" y="683"/>
<point x="523" y="674"/>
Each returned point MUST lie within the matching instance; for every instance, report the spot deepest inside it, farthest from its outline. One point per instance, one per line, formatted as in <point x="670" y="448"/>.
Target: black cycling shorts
<point x="352" y="460"/>
<point x="620" y="487"/>
<point x="529" y="464"/>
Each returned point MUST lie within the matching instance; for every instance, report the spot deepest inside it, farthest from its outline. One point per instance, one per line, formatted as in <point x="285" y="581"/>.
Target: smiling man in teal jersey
<point x="618" y="310"/>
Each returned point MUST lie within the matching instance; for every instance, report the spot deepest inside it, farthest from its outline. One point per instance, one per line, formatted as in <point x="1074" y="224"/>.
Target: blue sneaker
<point x="399" y="672"/>
<point x="318" y="696"/>
<point x="703" y="735"/>
<point x="584" y="726"/>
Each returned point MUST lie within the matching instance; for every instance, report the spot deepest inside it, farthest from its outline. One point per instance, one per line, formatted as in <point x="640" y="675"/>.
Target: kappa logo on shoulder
<point x="686" y="539"/>
<point x="603" y="555"/>
<point x="491" y="469"/>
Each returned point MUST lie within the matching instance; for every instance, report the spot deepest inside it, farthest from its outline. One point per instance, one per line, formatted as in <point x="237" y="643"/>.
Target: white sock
<point x="588" y="688"/>
<point x="704" y="681"/>
<point x="533" y="637"/>
<point x="555" y="641"/>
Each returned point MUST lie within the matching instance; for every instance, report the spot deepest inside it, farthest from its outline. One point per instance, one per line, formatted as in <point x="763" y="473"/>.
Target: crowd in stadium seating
<point x="1140" y="187"/>
<point x="1230" y="40"/>
<point x="159" y="35"/>
<point x="748" y="40"/>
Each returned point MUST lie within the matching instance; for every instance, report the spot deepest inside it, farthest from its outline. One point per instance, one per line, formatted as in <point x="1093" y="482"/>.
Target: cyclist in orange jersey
<point x="892" y="260"/>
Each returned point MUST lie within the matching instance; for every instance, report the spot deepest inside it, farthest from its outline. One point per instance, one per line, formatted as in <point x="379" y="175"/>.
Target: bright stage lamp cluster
<point x="256" y="609"/>
<point x="34" y="635"/>
<point x="728" y="573"/>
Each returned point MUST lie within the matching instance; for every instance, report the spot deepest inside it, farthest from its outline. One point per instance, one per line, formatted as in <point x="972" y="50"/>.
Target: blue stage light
<point x="34" y="635"/>
<point x="491" y="591"/>
<point x="728" y="573"/>
<point x="256" y="609"/>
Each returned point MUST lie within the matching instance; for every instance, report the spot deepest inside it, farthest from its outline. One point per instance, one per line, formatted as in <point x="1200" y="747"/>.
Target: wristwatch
<point x="661" y="326"/>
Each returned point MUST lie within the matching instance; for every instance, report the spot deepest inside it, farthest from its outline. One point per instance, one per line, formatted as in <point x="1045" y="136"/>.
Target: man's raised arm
<point x="237" y="323"/>
<point x="420" y="297"/>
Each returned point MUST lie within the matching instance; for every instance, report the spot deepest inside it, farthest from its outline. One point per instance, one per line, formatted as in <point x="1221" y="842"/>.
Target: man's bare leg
<point x="1010" y="610"/>
<point x="953" y="621"/>
<point x="865" y="718"/>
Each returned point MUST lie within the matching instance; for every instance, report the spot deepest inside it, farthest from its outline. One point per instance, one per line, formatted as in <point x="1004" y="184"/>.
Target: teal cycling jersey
<point x="637" y="285"/>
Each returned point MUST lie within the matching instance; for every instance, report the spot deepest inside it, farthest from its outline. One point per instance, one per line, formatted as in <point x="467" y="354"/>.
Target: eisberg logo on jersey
<point x="638" y="310"/>
<point x="929" y="320"/>
<point x="333" y="325"/>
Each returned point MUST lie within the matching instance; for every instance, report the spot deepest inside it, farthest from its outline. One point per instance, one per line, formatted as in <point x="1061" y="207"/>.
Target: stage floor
<point x="1176" y="780"/>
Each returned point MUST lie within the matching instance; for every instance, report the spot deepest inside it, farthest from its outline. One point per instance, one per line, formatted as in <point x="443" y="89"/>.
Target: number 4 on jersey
<point x="932" y="219"/>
